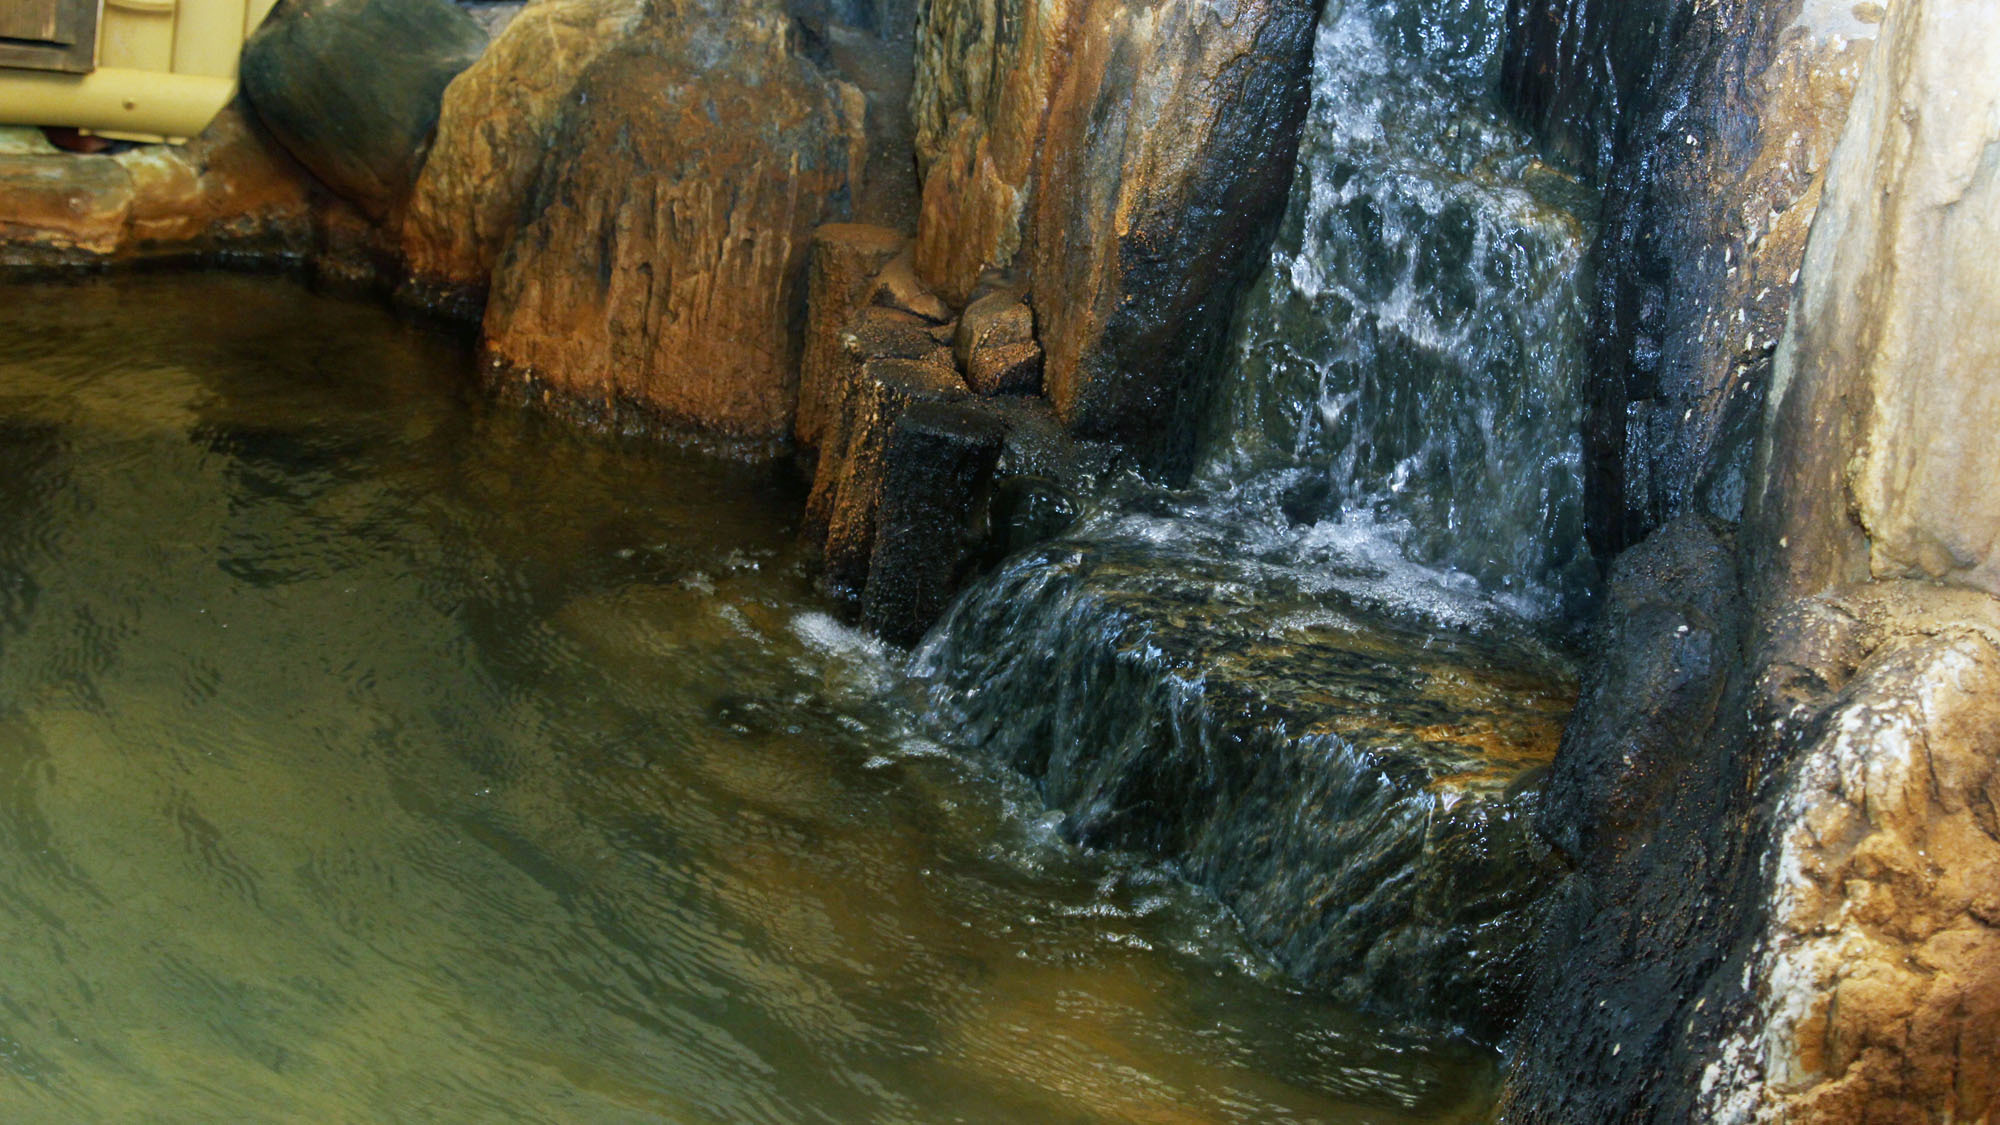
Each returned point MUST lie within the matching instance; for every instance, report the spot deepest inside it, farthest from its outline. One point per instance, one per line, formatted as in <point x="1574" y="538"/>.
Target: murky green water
<point x="371" y="752"/>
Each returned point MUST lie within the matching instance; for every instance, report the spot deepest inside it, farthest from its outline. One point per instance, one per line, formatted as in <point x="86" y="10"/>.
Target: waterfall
<point x="1413" y="356"/>
<point x="1317" y="682"/>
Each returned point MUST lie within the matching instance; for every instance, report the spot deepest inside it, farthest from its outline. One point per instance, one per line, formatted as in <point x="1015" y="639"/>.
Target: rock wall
<point x="1780" y="786"/>
<point x="1132" y="157"/>
<point x="660" y="254"/>
<point x="230" y="194"/>
<point x="497" y="122"/>
<point x="1709" y="127"/>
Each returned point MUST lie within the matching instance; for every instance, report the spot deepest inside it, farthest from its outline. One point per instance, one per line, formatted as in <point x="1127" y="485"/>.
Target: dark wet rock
<point x="840" y="270"/>
<point x="1666" y="648"/>
<point x="1346" y="783"/>
<point x="661" y="257"/>
<point x="1656" y="800"/>
<point x="352" y="88"/>
<point x="850" y="486"/>
<point x="1709" y="127"/>
<point x="1025" y="511"/>
<point x="937" y="466"/>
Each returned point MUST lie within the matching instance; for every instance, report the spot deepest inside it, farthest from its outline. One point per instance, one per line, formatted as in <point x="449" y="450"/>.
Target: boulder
<point x="496" y="123"/>
<point x="850" y="487"/>
<point x="996" y="347"/>
<point x="352" y="88"/>
<point x="1170" y="145"/>
<point x="840" y="271"/>
<point x="660" y="258"/>
<point x="897" y="286"/>
<point x="1875" y="977"/>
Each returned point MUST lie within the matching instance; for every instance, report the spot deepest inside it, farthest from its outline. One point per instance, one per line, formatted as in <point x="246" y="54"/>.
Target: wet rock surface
<point x="1709" y="128"/>
<point x="661" y="259"/>
<point x="1035" y="130"/>
<point x="1357" y="789"/>
<point x="840" y="271"/>
<point x="1782" y="910"/>
<point x="352" y="88"/>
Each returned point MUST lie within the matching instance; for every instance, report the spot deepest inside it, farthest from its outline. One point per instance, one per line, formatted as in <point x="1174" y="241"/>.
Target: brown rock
<point x="984" y="74"/>
<point x="873" y="333"/>
<point x="1167" y="160"/>
<point x="995" y="320"/>
<point x="840" y="270"/>
<point x="1134" y="157"/>
<point x="661" y="262"/>
<point x="1878" y="976"/>
<point x="229" y="191"/>
<point x="898" y="287"/>
<point x="1006" y="369"/>
<point x="63" y="206"/>
<point x="497" y="122"/>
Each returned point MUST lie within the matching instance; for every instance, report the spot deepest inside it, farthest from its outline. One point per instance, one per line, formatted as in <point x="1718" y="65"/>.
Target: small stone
<point x="1014" y="369"/>
<point x="898" y="287"/>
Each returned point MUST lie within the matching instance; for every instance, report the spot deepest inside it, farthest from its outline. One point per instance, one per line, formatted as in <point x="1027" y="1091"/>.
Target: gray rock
<point x="352" y="88"/>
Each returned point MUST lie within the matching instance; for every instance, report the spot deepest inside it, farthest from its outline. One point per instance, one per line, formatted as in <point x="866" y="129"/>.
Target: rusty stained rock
<point x="1877" y="976"/>
<point x="661" y="262"/>
<point x="497" y="122"/>
<point x="231" y="191"/>
<point x="1133" y="159"/>
<point x="996" y="347"/>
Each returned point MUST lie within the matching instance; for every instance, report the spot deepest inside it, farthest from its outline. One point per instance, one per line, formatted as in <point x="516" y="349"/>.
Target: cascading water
<point x="1317" y="680"/>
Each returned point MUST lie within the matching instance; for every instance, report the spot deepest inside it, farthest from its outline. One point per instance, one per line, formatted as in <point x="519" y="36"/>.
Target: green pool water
<point x="374" y="751"/>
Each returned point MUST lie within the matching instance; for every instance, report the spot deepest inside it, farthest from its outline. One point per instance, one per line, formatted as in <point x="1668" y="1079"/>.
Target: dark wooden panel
<point x="49" y="34"/>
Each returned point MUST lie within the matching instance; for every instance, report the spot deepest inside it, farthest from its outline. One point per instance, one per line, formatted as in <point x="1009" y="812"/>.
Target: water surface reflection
<point x="369" y="752"/>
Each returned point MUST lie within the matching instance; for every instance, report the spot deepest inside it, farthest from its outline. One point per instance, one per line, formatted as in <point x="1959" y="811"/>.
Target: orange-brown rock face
<point x="497" y="123"/>
<point x="1133" y="156"/>
<point x="662" y="260"/>
<point x="229" y="191"/>
<point x="1878" y="978"/>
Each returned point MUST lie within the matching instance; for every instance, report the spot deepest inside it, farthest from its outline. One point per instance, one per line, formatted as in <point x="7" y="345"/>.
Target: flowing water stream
<point x="373" y="752"/>
<point x="1323" y="681"/>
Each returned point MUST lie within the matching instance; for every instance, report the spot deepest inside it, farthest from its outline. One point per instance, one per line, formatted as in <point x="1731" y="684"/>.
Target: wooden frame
<point x="58" y="35"/>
